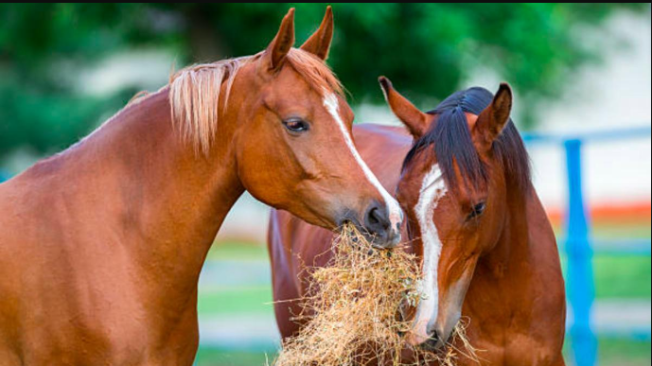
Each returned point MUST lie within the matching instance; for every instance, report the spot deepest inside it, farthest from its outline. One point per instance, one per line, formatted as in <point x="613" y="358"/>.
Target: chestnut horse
<point x="487" y="249"/>
<point x="102" y="245"/>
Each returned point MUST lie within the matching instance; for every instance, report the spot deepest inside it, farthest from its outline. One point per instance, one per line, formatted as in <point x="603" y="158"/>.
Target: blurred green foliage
<point x="428" y="50"/>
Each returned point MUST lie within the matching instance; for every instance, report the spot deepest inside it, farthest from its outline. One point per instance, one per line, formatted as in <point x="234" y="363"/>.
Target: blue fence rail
<point x="578" y="245"/>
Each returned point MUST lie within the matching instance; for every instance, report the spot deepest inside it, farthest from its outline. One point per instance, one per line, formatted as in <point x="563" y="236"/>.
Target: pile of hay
<point x="356" y="314"/>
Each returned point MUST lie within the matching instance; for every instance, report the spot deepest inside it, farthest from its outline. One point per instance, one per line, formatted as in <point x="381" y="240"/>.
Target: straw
<point x="356" y="312"/>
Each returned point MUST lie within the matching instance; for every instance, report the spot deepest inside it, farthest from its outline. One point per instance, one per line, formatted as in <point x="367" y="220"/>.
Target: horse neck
<point x="163" y="196"/>
<point x="526" y="247"/>
<point x="518" y="287"/>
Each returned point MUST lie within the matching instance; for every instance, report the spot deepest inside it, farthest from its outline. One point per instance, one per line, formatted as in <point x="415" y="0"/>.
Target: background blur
<point x="575" y="69"/>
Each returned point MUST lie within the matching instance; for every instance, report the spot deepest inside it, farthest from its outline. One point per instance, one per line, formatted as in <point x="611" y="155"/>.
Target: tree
<point x="427" y="49"/>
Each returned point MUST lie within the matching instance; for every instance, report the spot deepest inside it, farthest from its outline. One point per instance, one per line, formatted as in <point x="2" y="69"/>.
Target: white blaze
<point x="394" y="210"/>
<point x="433" y="189"/>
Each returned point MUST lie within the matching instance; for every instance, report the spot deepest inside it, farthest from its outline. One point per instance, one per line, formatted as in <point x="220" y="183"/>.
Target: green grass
<point x="622" y="230"/>
<point x="238" y="251"/>
<point x="618" y="352"/>
<point x="615" y="230"/>
<point x="240" y="300"/>
<point x="622" y="277"/>
<point x="208" y="357"/>
<point x="611" y="352"/>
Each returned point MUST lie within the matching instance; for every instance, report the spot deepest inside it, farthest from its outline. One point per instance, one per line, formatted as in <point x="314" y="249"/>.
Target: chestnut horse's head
<point x="454" y="190"/>
<point x="285" y="121"/>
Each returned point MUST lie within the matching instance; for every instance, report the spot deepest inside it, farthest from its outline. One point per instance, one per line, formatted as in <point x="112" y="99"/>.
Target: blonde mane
<point x="195" y="92"/>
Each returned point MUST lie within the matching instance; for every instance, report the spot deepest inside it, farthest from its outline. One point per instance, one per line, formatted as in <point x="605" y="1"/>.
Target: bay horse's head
<point x="291" y="136"/>
<point x="467" y="157"/>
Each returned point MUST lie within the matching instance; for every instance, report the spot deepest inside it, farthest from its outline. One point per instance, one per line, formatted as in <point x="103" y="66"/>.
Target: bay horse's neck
<point x="166" y="200"/>
<point x="524" y="265"/>
<point x="514" y="240"/>
<point x="518" y="287"/>
<point x="515" y="244"/>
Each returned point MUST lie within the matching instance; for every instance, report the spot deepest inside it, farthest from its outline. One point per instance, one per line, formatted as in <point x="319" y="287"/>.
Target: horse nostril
<point x="376" y="220"/>
<point x="378" y="226"/>
<point x="374" y="216"/>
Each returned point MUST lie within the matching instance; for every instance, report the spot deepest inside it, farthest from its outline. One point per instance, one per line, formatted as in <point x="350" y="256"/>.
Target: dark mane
<point x="453" y="145"/>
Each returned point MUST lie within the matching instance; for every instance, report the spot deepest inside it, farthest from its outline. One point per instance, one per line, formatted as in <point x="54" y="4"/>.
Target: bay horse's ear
<point x="493" y="119"/>
<point x="320" y="42"/>
<point x="415" y="120"/>
<point x="281" y="44"/>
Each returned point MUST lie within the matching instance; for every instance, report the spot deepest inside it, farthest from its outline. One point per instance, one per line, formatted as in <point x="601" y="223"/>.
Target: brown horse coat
<point x="101" y="246"/>
<point x="515" y="301"/>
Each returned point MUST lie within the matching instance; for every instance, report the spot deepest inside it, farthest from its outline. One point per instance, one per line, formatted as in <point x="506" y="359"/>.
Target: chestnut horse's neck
<point x="166" y="201"/>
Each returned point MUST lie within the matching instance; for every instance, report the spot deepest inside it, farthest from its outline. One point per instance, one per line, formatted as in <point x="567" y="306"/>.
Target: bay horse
<point x="486" y="248"/>
<point x="102" y="245"/>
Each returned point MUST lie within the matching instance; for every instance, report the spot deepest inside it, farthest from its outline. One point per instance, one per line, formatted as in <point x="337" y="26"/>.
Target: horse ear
<point x="281" y="44"/>
<point x="493" y="119"/>
<point x="415" y="120"/>
<point x="320" y="42"/>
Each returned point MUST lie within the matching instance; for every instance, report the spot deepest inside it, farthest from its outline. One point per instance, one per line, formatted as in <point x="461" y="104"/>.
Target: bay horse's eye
<point x="477" y="210"/>
<point x="296" y="125"/>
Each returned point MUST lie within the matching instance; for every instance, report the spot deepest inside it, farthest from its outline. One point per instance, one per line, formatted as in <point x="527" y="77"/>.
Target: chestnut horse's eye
<point x="477" y="210"/>
<point x="296" y="125"/>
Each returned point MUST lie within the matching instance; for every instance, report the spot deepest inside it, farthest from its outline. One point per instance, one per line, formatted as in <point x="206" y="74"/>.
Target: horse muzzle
<point x="382" y="226"/>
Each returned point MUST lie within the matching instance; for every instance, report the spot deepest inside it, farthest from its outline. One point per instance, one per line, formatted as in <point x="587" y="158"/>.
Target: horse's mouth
<point x="433" y="344"/>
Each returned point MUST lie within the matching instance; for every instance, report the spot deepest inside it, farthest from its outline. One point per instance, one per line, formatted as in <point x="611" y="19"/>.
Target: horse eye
<point x="477" y="210"/>
<point x="296" y="125"/>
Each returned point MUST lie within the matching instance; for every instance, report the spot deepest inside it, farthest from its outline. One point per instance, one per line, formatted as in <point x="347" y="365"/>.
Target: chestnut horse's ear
<point x="320" y="42"/>
<point x="493" y="119"/>
<point x="281" y="44"/>
<point x="416" y="121"/>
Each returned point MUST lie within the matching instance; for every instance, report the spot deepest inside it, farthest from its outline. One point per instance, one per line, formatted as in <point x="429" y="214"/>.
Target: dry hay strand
<point x="356" y="313"/>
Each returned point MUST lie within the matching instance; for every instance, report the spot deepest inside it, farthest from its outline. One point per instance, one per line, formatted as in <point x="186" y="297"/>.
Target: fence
<point x="578" y="245"/>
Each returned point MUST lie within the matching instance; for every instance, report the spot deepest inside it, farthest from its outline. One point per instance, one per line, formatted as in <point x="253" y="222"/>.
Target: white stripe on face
<point x="395" y="214"/>
<point x="433" y="189"/>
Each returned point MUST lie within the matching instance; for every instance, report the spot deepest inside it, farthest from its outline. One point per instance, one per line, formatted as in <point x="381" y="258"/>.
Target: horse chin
<point x="439" y="331"/>
<point x="394" y="238"/>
